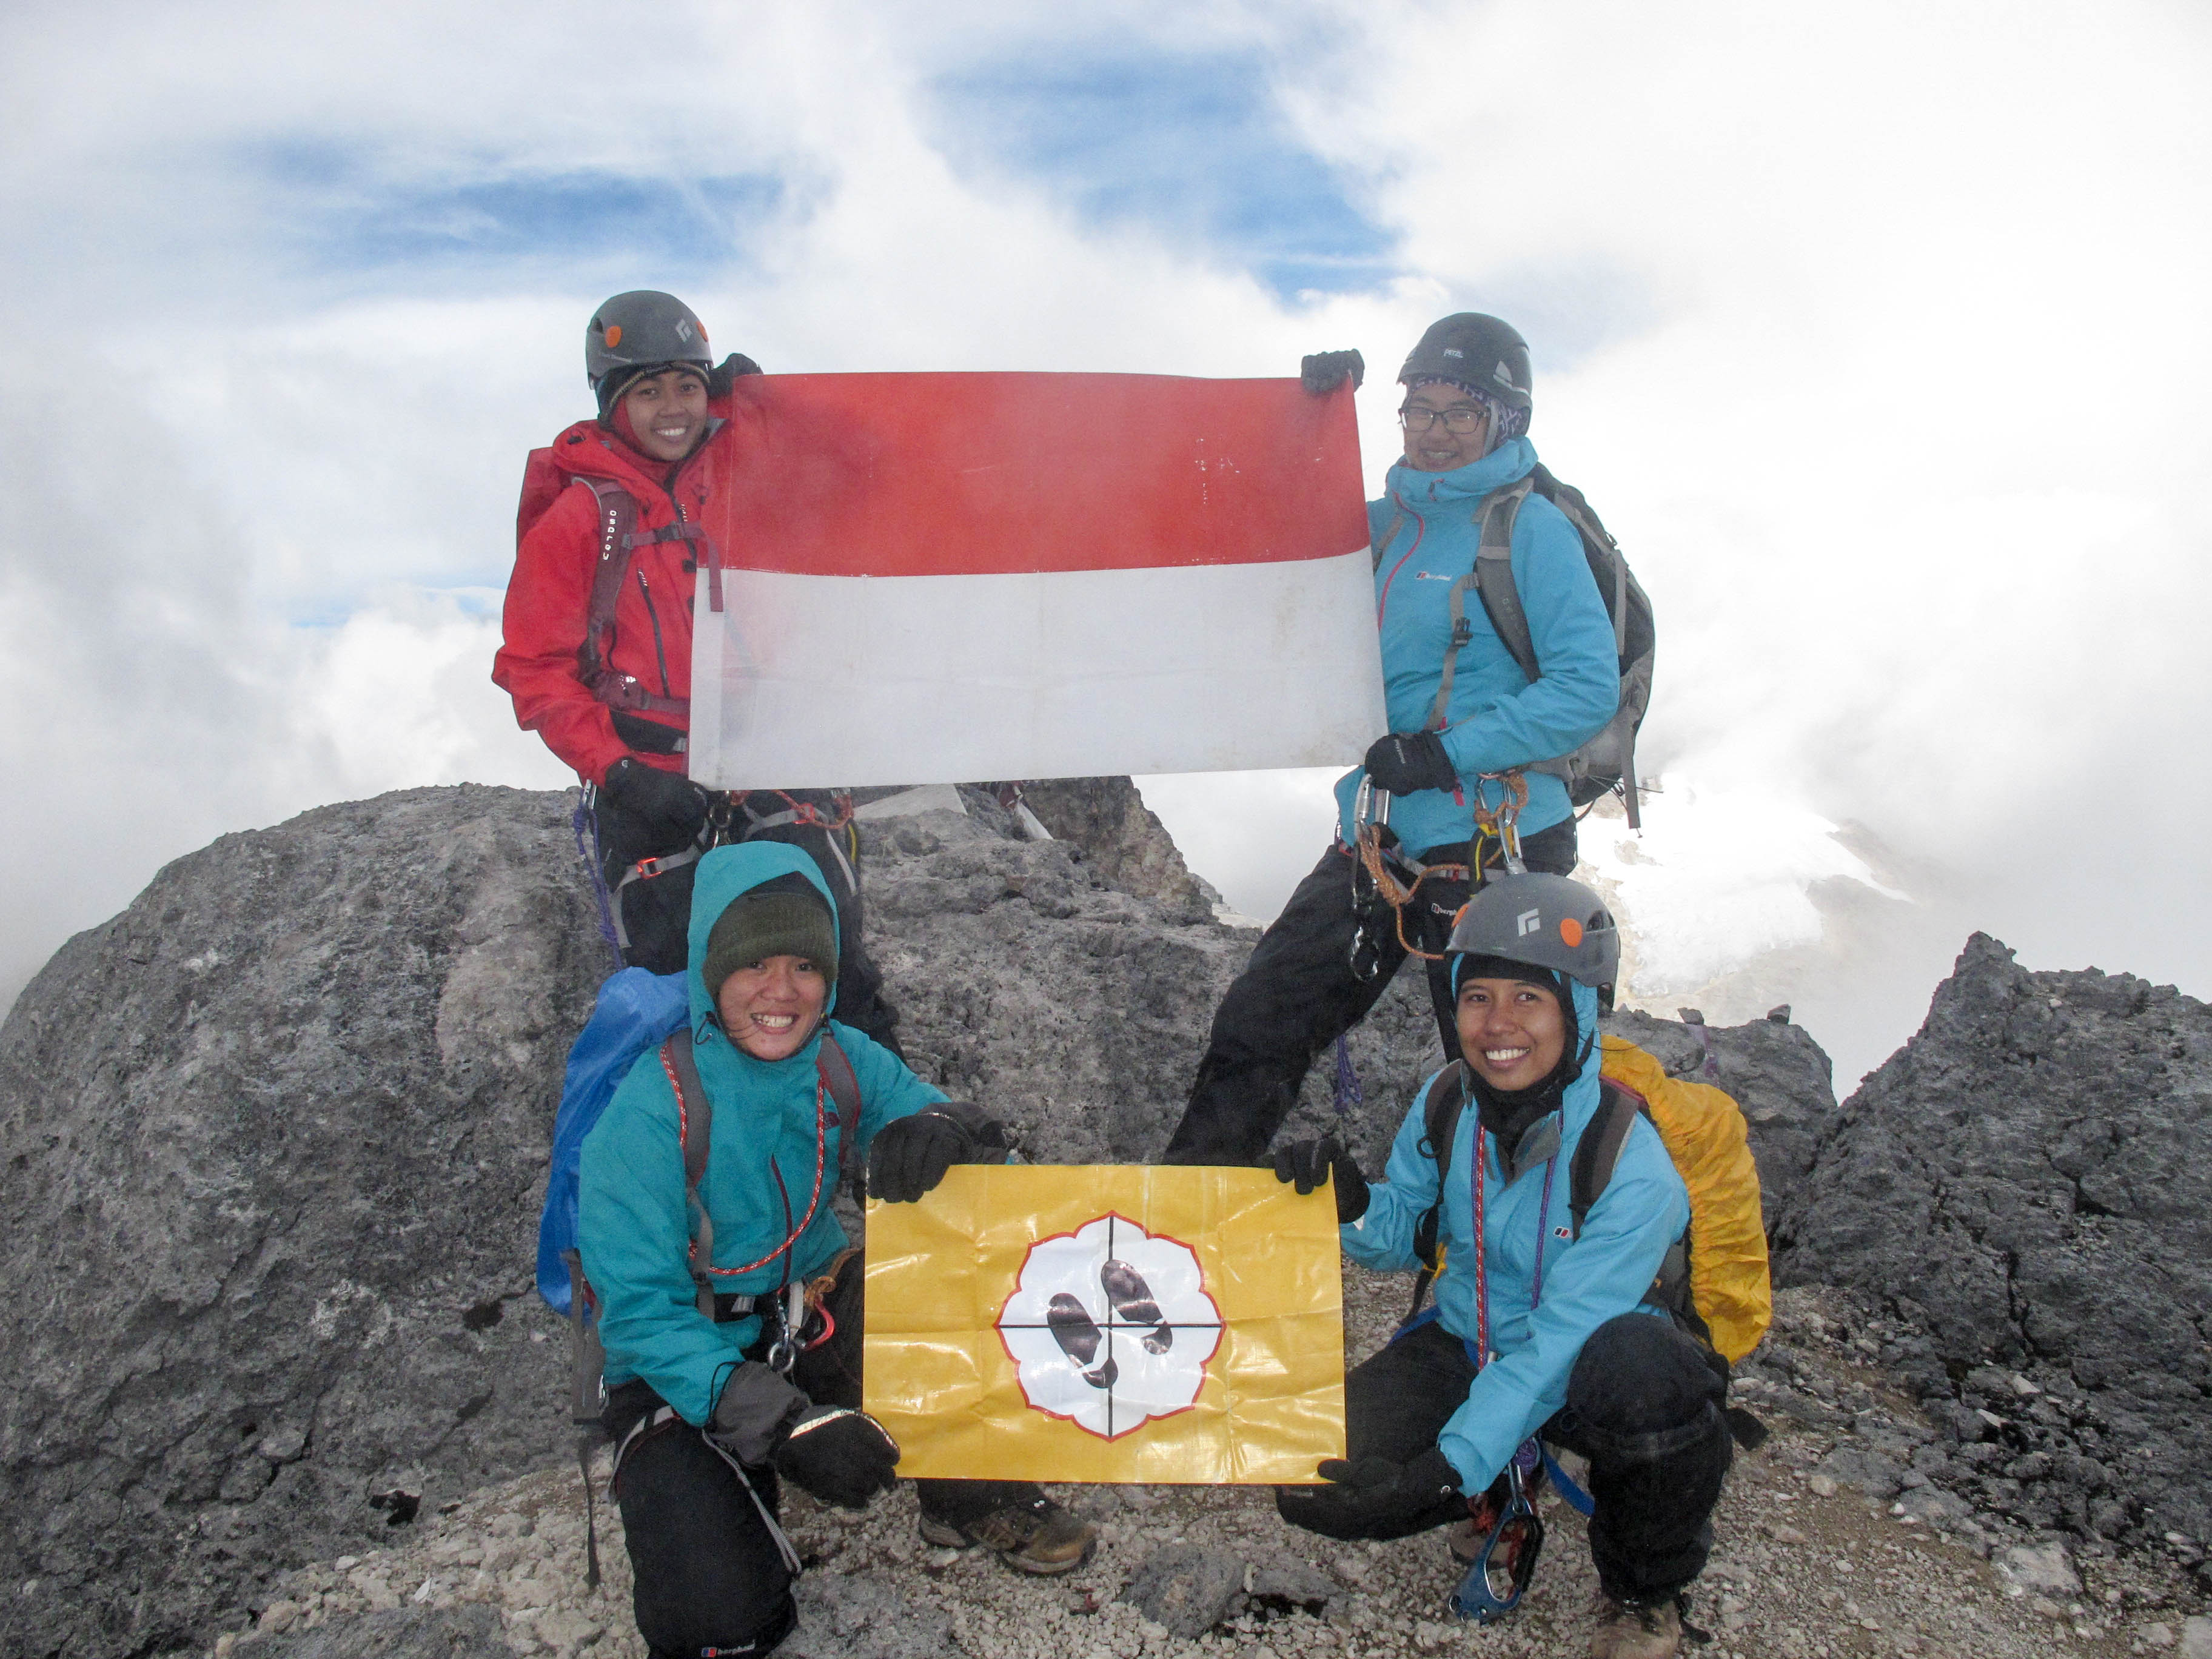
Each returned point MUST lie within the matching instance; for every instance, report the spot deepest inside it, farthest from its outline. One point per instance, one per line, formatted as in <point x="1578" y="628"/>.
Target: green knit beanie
<point x="773" y="920"/>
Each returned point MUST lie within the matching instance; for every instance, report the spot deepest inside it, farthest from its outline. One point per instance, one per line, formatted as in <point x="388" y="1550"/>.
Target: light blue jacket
<point x="1587" y="1280"/>
<point x="632" y="1226"/>
<point x="1498" y="718"/>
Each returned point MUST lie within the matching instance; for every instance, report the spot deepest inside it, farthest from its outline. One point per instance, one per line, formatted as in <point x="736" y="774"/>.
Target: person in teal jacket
<point x="723" y="1374"/>
<point x="1466" y="724"/>
<point x="1537" y="1330"/>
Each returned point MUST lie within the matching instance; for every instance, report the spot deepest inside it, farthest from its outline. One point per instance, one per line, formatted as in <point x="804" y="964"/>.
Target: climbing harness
<point x="1382" y="865"/>
<point x="730" y="819"/>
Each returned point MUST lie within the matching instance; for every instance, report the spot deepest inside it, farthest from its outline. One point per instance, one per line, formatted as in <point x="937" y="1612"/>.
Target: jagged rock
<point x="2026" y="1180"/>
<point x="1186" y="1588"/>
<point x="270" y="1144"/>
<point x="1774" y="1071"/>
<point x="864" y="1615"/>
<point x="461" y="1633"/>
<point x="1122" y="839"/>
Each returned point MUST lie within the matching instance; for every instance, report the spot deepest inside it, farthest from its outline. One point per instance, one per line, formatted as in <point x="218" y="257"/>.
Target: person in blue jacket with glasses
<point x="1466" y="724"/>
<point x="1548" y="1326"/>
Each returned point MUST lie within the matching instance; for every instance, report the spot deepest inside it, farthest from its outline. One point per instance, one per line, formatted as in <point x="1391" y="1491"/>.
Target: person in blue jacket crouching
<point x="733" y="1345"/>
<point x="1466" y="724"/>
<point x="1541" y="1329"/>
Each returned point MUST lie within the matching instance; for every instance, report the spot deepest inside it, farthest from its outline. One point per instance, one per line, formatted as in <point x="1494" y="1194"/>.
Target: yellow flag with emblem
<point x="1118" y="1323"/>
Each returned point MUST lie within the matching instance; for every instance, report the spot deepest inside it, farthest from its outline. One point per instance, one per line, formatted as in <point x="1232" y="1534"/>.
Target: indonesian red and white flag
<point x="930" y="576"/>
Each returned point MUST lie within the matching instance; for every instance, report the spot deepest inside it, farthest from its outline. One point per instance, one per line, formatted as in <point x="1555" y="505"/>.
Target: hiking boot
<point x="1034" y="1536"/>
<point x="1635" y="1629"/>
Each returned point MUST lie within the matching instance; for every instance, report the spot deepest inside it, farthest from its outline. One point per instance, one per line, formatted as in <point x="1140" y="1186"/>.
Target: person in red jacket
<point x="597" y="648"/>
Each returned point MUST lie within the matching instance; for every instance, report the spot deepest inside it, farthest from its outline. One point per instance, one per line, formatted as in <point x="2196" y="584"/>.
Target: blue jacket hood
<point x="723" y="875"/>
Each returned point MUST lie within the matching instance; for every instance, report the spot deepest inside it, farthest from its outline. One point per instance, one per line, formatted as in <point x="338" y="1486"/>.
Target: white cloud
<point x="1876" y="335"/>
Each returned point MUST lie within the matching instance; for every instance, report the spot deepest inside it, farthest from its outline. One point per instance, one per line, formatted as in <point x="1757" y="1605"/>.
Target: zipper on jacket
<point x="659" y="649"/>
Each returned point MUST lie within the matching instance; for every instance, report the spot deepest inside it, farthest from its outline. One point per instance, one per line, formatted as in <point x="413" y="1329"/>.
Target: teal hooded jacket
<point x="1586" y="1281"/>
<point x="1498" y="718"/>
<point x="633" y="1225"/>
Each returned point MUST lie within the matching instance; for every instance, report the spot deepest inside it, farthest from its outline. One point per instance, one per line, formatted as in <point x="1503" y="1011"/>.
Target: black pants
<point x="656" y="913"/>
<point x="1643" y="1405"/>
<point x="707" y="1573"/>
<point x="1299" y="993"/>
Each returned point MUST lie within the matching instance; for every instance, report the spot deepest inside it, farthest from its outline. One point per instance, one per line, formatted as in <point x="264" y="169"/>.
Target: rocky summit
<point x="2026" y="1184"/>
<point x="273" y="1143"/>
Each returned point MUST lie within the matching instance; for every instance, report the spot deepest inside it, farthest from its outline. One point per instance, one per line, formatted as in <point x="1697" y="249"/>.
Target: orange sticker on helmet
<point x="614" y="335"/>
<point x="1571" y="932"/>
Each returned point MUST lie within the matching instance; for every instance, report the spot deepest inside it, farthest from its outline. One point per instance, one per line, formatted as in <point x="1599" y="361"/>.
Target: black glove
<point x="673" y="804"/>
<point x="839" y="1455"/>
<point x="1309" y="1163"/>
<point x="910" y="1155"/>
<point x="719" y="378"/>
<point x="754" y="1411"/>
<point x="1325" y="371"/>
<point x="1380" y="1492"/>
<point x="1405" y="761"/>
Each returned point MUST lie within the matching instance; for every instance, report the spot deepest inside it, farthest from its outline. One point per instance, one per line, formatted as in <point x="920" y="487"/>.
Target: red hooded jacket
<point x="549" y="597"/>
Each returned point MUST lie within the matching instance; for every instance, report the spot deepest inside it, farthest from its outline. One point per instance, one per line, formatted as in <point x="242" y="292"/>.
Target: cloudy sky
<point x="1877" y="333"/>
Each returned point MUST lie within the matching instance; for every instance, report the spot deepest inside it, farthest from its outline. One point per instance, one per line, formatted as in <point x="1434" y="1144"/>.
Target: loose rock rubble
<point x="1826" y="1546"/>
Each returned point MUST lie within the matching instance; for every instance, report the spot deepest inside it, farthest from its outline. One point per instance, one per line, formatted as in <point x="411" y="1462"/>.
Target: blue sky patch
<point x="1191" y="147"/>
<point x="344" y="216"/>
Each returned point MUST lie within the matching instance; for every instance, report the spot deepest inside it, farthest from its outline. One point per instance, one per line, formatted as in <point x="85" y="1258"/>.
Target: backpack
<point x="1607" y="763"/>
<point x="1714" y="1277"/>
<point x="616" y="510"/>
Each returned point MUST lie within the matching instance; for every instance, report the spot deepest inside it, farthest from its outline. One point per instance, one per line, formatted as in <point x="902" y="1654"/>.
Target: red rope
<point x="820" y="1158"/>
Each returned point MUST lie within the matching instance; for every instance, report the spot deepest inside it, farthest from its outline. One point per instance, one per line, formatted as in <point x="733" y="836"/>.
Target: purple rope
<point x="577" y="820"/>
<point x="1346" y="1091"/>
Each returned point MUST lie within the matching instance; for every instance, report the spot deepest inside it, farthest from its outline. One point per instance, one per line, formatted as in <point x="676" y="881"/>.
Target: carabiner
<point x="1502" y="1572"/>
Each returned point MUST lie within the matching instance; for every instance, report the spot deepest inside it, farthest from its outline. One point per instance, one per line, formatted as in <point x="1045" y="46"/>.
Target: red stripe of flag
<point x="941" y="475"/>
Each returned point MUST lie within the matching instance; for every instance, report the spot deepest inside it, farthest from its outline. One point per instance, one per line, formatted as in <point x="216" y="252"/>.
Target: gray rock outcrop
<point x="2027" y="1180"/>
<point x="271" y="1143"/>
<point x="272" y="1146"/>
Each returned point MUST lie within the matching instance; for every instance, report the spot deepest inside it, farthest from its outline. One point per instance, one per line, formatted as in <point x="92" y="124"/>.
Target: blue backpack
<point x="635" y="1011"/>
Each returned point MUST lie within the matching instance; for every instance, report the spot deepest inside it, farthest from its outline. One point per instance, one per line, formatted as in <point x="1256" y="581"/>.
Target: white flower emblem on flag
<point x="1110" y="1326"/>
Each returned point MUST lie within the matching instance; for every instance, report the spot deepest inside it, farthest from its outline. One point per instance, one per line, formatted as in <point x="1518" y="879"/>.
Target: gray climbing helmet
<point x="643" y="329"/>
<point x="1542" y="921"/>
<point x="1484" y="352"/>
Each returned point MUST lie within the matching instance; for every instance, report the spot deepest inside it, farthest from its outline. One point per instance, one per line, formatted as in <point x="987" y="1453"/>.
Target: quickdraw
<point x="1502" y="822"/>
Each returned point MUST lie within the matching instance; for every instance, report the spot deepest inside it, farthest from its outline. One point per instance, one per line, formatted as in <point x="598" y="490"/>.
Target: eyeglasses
<point x="1460" y="419"/>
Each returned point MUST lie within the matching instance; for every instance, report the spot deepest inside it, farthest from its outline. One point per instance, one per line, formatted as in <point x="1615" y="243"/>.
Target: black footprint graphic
<point x="1132" y="1301"/>
<point x="1077" y="1334"/>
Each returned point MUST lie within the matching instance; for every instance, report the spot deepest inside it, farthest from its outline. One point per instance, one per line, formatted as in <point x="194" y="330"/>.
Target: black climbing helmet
<point x="1542" y="921"/>
<point x="1483" y="352"/>
<point x="641" y="330"/>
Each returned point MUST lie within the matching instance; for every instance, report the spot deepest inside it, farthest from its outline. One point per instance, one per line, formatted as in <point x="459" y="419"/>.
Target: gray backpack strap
<point x="835" y="1067"/>
<point x="1493" y="579"/>
<point x="696" y="1109"/>
<point x="1441" y="1110"/>
<point x="1493" y="575"/>
<point x="1377" y="548"/>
